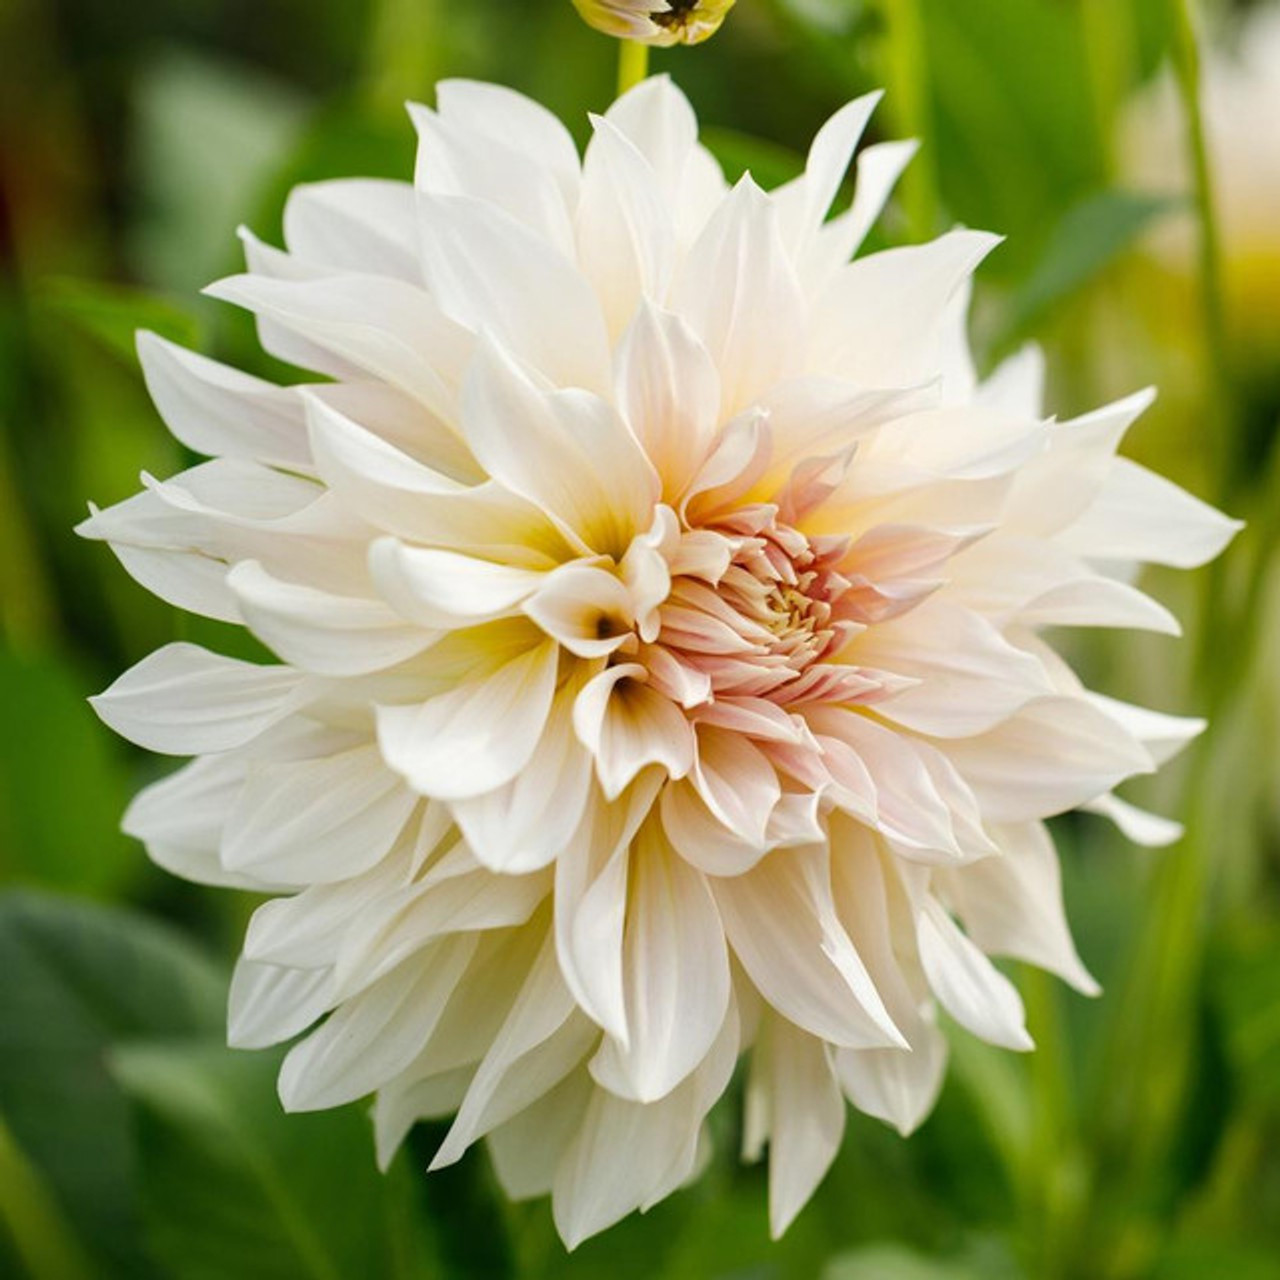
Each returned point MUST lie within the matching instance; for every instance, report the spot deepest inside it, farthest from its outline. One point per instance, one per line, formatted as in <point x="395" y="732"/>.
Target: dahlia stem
<point x="633" y="64"/>
<point x="1186" y="64"/>
<point x="908" y="78"/>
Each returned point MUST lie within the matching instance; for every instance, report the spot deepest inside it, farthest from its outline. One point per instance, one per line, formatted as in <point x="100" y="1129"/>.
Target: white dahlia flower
<point x="658" y="22"/>
<point x="658" y="601"/>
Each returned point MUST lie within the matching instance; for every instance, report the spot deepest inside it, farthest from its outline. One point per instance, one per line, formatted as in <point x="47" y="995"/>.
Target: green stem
<point x="1186" y="63"/>
<point x="633" y="64"/>
<point x="908" y="79"/>
<point x="41" y="1235"/>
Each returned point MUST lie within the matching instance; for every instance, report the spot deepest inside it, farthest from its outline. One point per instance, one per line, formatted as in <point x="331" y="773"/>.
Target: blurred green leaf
<point x="1204" y="1257"/>
<point x="984" y="1259"/>
<point x="768" y="163"/>
<point x="1090" y="236"/>
<point x="111" y="314"/>
<point x="1246" y="976"/>
<point x="232" y="1186"/>
<point x="77" y="979"/>
<point x="48" y="837"/>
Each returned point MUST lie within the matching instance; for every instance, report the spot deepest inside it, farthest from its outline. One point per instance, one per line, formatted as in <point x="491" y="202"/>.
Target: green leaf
<point x="1090" y="237"/>
<point x="78" y="978"/>
<point x="769" y="163"/>
<point x="983" y="1259"/>
<point x="235" y="1187"/>
<point x="44" y="839"/>
<point x="1246" y="988"/>
<point x="111" y="314"/>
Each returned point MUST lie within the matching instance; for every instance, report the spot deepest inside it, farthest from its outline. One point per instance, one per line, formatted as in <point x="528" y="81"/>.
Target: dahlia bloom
<point x="658" y="601"/>
<point x="660" y="22"/>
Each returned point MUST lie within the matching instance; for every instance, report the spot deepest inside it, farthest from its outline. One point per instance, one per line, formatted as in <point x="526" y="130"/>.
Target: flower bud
<point x="661" y="22"/>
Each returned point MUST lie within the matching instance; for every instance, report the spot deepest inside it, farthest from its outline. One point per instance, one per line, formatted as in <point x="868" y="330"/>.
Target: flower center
<point x="771" y="615"/>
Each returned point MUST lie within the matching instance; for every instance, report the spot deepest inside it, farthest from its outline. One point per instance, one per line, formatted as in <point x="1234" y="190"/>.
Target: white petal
<point x="586" y="608"/>
<point x="567" y="451"/>
<point x="894" y="1086"/>
<point x="627" y="243"/>
<point x="879" y="321"/>
<point x="594" y="1187"/>
<point x="371" y="1037"/>
<point x="1011" y="904"/>
<point x="491" y="273"/>
<point x="669" y="393"/>
<point x="1142" y="516"/>
<point x="736" y="781"/>
<point x="806" y="1118"/>
<point x="320" y="632"/>
<point x="447" y="590"/>
<point x="456" y="159"/>
<point x="268" y="1004"/>
<point x="476" y="737"/>
<point x="499" y="112"/>
<point x="527" y="823"/>
<point x="782" y="925"/>
<point x="591" y="903"/>
<point x="627" y="726"/>
<point x="317" y="820"/>
<point x="1051" y="756"/>
<point x="184" y="700"/>
<point x="1138" y="825"/>
<point x="390" y="329"/>
<point x="739" y="293"/>
<point x="675" y="975"/>
<point x="219" y="411"/>
<point x="971" y="989"/>
<point x="355" y="224"/>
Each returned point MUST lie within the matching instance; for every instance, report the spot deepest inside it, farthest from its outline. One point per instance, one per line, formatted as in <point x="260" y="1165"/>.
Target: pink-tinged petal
<point x="968" y="676"/>
<point x="701" y="838"/>
<point x="736" y="461"/>
<point x="529" y="822"/>
<point x="320" y="632"/>
<point x="736" y="781"/>
<point x="627" y="726"/>
<point x="673" y="678"/>
<point x="591" y="902"/>
<point x="782" y="925"/>
<point x="476" y="737"/>
<point x="446" y="590"/>
<point x="755" y="718"/>
<point x="971" y="989"/>
<point x="601" y="490"/>
<point x="739" y="293"/>
<point x="668" y="389"/>
<point x="183" y="700"/>
<point x="675" y="970"/>
<point x="1011" y="904"/>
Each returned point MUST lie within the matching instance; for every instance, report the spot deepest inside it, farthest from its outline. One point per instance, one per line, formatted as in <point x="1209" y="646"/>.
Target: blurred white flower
<point x="658" y="600"/>
<point x="660" y="22"/>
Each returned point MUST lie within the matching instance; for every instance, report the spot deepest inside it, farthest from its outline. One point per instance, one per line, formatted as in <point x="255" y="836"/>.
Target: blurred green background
<point x="1143" y="1139"/>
